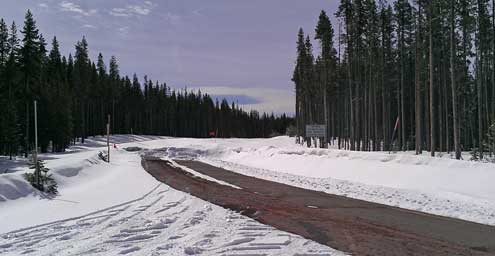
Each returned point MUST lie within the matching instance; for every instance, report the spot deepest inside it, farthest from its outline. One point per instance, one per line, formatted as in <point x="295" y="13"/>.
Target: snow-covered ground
<point x="443" y="186"/>
<point x="117" y="208"/>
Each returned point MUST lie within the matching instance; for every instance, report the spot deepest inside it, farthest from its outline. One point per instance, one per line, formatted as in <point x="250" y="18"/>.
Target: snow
<point x="81" y="181"/>
<point x="118" y="208"/>
<point x="440" y="185"/>
<point x="200" y="175"/>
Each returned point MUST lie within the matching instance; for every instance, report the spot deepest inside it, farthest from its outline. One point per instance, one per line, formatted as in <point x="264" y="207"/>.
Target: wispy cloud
<point x="89" y="26"/>
<point x="43" y="5"/>
<point x="73" y="7"/>
<point x="123" y="31"/>
<point x="197" y="12"/>
<point x="173" y="18"/>
<point x="133" y="10"/>
<point x="263" y="99"/>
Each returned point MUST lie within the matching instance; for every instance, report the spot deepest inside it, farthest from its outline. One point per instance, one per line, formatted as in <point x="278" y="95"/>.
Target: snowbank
<point x="461" y="189"/>
<point x="82" y="178"/>
<point x="118" y="208"/>
<point x="453" y="178"/>
<point x="443" y="186"/>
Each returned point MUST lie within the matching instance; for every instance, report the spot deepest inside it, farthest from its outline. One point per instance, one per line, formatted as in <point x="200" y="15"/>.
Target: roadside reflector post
<point x="108" y="138"/>
<point x="35" y="157"/>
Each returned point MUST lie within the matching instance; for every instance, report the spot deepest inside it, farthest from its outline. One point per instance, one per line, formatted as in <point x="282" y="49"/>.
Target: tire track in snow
<point x="162" y="222"/>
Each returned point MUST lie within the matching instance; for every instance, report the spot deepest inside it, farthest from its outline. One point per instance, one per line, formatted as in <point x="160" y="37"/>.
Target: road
<point x="354" y="226"/>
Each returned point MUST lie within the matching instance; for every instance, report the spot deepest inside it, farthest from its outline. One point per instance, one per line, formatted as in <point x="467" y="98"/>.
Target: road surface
<point x="354" y="226"/>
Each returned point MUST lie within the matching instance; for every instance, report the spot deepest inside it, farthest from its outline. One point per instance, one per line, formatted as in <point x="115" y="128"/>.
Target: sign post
<point x="108" y="138"/>
<point x="316" y="131"/>
<point x="35" y="157"/>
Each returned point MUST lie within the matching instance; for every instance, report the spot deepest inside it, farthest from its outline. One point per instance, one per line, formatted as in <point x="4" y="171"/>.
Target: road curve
<point x="350" y="225"/>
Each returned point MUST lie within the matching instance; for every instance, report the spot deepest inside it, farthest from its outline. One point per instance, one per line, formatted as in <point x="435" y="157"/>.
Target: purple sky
<point x="225" y="47"/>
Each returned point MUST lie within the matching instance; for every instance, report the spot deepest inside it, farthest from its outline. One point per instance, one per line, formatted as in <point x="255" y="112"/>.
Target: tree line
<point x="401" y="75"/>
<point x="75" y="96"/>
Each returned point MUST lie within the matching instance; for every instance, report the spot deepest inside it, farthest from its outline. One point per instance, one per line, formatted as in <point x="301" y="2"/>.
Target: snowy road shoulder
<point x="200" y="175"/>
<point x="88" y="187"/>
<point x="118" y="208"/>
<point x="441" y="186"/>
<point x="163" y="222"/>
<point x="480" y="211"/>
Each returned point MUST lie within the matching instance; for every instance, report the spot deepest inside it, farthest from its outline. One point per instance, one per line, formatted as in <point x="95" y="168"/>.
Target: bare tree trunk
<point x="453" y="83"/>
<point x="419" y="139"/>
<point x="403" y="119"/>
<point x="401" y="100"/>
<point x="444" y="128"/>
<point x="446" y="111"/>
<point x="441" y="117"/>
<point x="83" y="123"/>
<point x="432" y="91"/>
<point x="351" y="103"/>
<point x="366" y="110"/>
<point x="298" y="121"/>
<point x="26" y="152"/>
<point x="384" y="104"/>
<point x="479" y="82"/>
<point x="325" y="105"/>
<point x="375" y="123"/>
<point x="493" y="67"/>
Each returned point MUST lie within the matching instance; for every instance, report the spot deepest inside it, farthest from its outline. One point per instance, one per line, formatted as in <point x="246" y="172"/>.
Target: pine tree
<point x="387" y="70"/>
<point x="4" y="43"/>
<point x="30" y="67"/>
<point x="431" y="79"/>
<point x="11" y="79"/>
<point x="59" y="105"/>
<point x="298" y="79"/>
<point x="75" y="96"/>
<point x="404" y="22"/>
<point x="345" y="12"/>
<point x="324" y="33"/>
<point x="81" y="80"/>
<point x="489" y="142"/>
<point x="114" y="77"/>
<point x="425" y="52"/>
<point x="481" y="66"/>
<point x="417" y="78"/>
<point x="453" y="79"/>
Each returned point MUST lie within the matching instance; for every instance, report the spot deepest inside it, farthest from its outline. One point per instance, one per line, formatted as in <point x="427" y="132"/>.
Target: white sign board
<point x="315" y="130"/>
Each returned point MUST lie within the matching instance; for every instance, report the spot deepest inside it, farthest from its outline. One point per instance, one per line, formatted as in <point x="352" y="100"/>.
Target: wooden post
<point x="108" y="138"/>
<point x="35" y="156"/>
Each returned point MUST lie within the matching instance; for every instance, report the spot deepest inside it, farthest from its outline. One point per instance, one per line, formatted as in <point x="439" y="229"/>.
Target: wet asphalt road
<point x="350" y="225"/>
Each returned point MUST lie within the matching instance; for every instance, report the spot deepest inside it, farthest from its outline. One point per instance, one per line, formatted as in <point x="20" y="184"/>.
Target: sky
<point x="241" y="50"/>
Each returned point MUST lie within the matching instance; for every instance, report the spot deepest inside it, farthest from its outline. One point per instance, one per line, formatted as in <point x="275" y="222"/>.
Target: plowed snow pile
<point x="441" y="185"/>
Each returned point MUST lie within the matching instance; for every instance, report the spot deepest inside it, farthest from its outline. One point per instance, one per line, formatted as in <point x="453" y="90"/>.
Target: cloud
<point x="72" y="7"/>
<point x="197" y="12"/>
<point x="43" y="5"/>
<point x="133" y="10"/>
<point x="173" y="18"/>
<point x="267" y="100"/>
<point x="123" y="30"/>
<point x="89" y="26"/>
